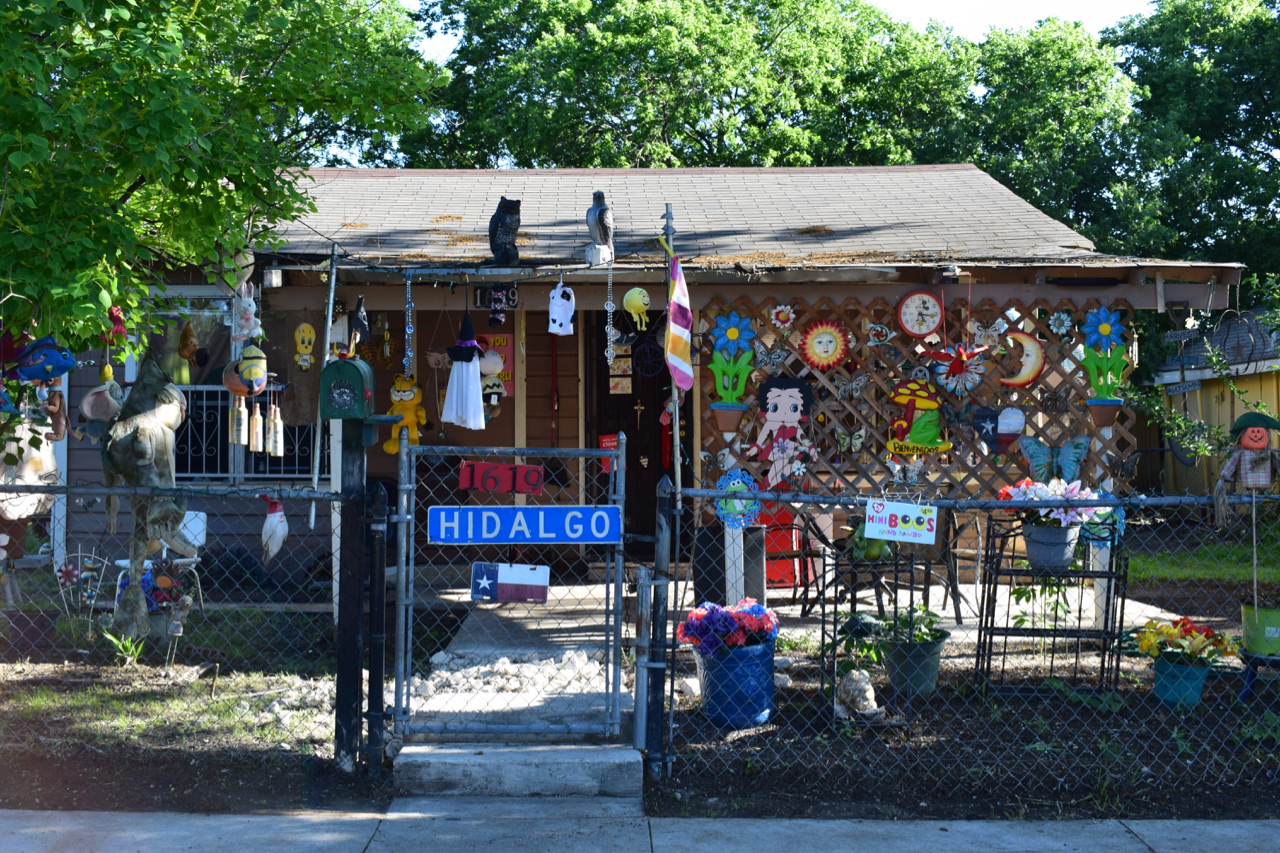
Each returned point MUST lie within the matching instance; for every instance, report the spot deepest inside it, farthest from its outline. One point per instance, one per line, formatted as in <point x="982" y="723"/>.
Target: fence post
<point x="656" y="670"/>
<point x="377" y="628"/>
<point x="644" y="612"/>
<point x="348" y="692"/>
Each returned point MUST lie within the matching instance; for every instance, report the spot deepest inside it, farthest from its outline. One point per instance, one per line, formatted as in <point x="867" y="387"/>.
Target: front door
<point x="629" y="397"/>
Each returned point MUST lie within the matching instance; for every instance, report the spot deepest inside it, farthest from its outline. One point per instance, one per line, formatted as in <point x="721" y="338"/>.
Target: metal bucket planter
<point x="1104" y="410"/>
<point x="913" y="667"/>
<point x="1261" y="630"/>
<point x="729" y="415"/>
<point x="1050" y="548"/>
<point x="1179" y="686"/>
<point x="737" y="686"/>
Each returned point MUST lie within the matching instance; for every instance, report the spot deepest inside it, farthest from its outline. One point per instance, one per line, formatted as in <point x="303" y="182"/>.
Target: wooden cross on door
<point x="639" y="409"/>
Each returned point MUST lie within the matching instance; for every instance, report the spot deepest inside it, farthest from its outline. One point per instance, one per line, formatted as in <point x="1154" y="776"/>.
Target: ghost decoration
<point x="561" y="310"/>
<point x="463" y="403"/>
<point x="1009" y="427"/>
<point x="636" y="303"/>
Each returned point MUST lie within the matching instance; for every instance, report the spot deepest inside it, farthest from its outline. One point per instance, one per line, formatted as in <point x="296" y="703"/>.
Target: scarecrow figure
<point x="785" y="404"/>
<point x="1253" y="465"/>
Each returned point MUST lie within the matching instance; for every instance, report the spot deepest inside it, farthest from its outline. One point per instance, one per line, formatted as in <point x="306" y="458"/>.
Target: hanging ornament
<point x="961" y="369"/>
<point x="1032" y="361"/>
<point x="636" y="303"/>
<point x="269" y="428"/>
<point x="304" y="338"/>
<point x="560" y="311"/>
<point x="238" y="425"/>
<point x="255" y="430"/>
<point x="610" y="332"/>
<point x="463" y="404"/>
<point x="824" y="345"/>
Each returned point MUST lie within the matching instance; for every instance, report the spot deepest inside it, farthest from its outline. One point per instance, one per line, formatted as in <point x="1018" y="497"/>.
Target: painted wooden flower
<point x="783" y="316"/>
<point x="1102" y="329"/>
<point x="1061" y="323"/>
<point x="733" y="334"/>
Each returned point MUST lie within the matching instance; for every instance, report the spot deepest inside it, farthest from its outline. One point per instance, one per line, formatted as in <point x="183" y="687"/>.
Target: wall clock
<point x="920" y="314"/>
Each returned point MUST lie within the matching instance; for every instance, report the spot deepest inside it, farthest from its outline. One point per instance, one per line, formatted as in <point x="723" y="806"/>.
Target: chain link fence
<point x="518" y="637"/>
<point x="1041" y="689"/>
<point x="239" y="655"/>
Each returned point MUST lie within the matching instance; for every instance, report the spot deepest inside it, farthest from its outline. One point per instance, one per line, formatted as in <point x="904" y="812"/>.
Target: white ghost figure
<point x="560" y="316"/>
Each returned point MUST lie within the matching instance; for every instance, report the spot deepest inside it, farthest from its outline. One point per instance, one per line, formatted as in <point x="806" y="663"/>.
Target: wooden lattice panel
<point x="1051" y="414"/>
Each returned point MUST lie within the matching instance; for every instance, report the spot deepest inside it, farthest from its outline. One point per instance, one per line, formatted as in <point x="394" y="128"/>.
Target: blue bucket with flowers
<point x="733" y="647"/>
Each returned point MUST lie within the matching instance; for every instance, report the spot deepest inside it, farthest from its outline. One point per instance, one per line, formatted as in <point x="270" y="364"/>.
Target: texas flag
<point x="509" y="582"/>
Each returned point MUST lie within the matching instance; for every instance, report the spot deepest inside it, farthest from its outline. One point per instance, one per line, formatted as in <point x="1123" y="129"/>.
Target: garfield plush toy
<point x="406" y="401"/>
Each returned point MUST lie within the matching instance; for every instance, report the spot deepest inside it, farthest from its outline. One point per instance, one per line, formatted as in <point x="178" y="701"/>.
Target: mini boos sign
<point x="901" y="522"/>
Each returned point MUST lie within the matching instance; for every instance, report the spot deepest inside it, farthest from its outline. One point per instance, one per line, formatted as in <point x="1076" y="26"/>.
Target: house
<point x="839" y="245"/>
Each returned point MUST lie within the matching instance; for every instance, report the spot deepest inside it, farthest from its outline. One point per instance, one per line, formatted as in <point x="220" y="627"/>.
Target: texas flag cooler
<point x="509" y="582"/>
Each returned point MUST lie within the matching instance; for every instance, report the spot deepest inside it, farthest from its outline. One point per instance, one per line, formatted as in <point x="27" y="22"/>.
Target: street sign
<point x="1182" y="387"/>
<point x="1181" y="335"/>
<point x="1188" y="360"/>
<point x="524" y="525"/>
<point x="901" y="522"/>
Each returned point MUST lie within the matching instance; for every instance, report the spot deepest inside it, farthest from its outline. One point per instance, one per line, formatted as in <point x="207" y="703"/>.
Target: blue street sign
<point x="524" y="525"/>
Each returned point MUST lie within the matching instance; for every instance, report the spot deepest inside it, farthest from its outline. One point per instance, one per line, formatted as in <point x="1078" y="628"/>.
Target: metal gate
<point x="476" y="652"/>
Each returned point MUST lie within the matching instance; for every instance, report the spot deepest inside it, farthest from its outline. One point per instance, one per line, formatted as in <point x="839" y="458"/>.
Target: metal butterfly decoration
<point x="1055" y="400"/>
<point x="850" y="389"/>
<point x="721" y="461"/>
<point x="907" y="474"/>
<point x="1047" y="461"/>
<point x="1121" y="469"/>
<point x="848" y="442"/>
<point x="771" y="359"/>
<point x="988" y="335"/>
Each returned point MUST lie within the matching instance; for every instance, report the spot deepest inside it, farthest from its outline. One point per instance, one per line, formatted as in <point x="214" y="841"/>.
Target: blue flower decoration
<point x="733" y="334"/>
<point x="1102" y="329"/>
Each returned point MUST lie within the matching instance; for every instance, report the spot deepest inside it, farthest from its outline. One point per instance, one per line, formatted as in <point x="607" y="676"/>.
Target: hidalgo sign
<point x="524" y="525"/>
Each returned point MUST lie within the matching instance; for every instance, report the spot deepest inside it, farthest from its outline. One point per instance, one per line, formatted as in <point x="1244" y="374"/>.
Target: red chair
<point x="789" y="556"/>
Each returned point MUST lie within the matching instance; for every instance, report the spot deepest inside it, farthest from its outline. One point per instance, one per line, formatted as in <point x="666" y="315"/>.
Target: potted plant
<point x="1050" y="535"/>
<point x="1184" y="652"/>
<point x="731" y="365"/>
<point x="1105" y="362"/>
<point x="733" y="647"/>
<point x="911" y="646"/>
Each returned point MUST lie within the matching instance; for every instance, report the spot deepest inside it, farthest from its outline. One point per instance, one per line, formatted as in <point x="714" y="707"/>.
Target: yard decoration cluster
<point x="712" y="628"/>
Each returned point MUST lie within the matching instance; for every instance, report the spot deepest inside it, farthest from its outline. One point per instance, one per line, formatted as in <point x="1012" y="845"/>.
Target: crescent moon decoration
<point x="824" y="345"/>
<point x="1032" y="361"/>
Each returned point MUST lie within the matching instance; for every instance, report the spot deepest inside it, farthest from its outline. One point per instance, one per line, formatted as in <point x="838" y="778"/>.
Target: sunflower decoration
<point x="825" y="344"/>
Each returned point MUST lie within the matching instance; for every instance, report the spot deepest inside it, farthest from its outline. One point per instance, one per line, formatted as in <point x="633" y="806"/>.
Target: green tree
<point x="689" y="83"/>
<point x="1208" y="73"/>
<point x="139" y="136"/>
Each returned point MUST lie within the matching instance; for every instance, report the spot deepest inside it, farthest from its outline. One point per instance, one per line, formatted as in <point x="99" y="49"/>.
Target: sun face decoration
<point x="824" y="345"/>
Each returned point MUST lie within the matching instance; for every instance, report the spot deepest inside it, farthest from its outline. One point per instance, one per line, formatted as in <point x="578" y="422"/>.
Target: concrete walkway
<point x="467" y="824"/>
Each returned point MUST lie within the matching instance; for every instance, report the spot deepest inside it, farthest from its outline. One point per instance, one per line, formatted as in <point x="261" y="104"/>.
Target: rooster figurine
<point x="274" y="530"/>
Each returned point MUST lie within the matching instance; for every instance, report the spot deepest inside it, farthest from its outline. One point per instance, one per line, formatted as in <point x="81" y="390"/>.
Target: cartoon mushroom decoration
<point x="919" y="423"/>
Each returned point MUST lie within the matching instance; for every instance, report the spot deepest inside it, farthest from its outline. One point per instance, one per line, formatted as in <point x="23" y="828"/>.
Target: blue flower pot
<point x="737" y="686"/>
<point x="1179" y="686"/>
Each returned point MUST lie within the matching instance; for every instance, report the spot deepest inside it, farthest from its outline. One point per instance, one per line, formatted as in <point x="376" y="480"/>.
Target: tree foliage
<point x="143" y="135"/>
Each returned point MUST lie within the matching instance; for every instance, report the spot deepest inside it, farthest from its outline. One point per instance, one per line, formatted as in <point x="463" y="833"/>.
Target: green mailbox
<point x="346" y="390"/>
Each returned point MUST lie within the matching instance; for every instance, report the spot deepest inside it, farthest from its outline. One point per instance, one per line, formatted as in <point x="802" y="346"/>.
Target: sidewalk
<point x="597" y="825"/>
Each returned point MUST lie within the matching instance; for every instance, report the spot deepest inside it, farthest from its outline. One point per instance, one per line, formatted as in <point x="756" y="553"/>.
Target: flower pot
<point x="1050" y="548"/>
<point x="737" y="686"/>
<point x="1104" y="410"/>
<point x="728" y="415"/>
<point x="913" y="667"/>
<point x="31" y="630"/>
<point x="1179" y="686"/>
<point x="1261" y="630"/>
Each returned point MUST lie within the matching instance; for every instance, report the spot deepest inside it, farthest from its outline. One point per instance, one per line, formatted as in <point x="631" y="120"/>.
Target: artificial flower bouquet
<point x="712" y="628"/>
<point x="1030" y="490"/>
<point x="1184" y="642"/>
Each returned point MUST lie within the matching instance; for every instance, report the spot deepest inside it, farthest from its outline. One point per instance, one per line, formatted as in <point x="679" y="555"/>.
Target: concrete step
<point x="483" y="769"/>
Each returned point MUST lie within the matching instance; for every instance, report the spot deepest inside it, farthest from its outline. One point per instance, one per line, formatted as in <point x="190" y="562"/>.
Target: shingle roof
<point x="798" y="216"/>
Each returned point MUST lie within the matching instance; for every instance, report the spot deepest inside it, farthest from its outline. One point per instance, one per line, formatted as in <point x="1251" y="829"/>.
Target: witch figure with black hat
<point x="463" y="399"/>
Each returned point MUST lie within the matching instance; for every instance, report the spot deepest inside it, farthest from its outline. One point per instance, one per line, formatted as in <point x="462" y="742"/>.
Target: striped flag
<point x="679" y="329"/>
<point x="509" y="582"/>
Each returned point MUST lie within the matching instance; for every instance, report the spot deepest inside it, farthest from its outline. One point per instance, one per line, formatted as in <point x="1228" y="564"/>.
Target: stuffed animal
<point x="304" y="336"/>
<point x="406" y="401"/>
<point x="247" y="324"/>
<point x="55" y="406"/>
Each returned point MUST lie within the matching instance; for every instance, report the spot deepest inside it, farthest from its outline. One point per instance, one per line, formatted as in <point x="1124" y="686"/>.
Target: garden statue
<point x="785" y="404"/>
<point x="600" y="226"/>
<point x="137" y="450"/>
<point x="504" y="226"/>
<point x="1253" y="464"/>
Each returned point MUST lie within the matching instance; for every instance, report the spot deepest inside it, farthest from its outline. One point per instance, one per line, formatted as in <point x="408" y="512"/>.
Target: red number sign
<point x="492" y="477"/>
